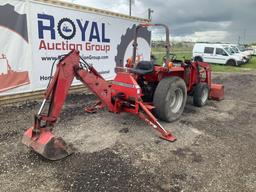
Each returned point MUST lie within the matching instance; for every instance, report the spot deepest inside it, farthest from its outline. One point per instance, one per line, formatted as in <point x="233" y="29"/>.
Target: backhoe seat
<point x="143" y="68"/>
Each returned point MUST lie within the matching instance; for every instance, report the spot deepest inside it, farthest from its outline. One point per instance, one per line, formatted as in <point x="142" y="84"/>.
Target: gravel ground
<point x="215" y="150"/>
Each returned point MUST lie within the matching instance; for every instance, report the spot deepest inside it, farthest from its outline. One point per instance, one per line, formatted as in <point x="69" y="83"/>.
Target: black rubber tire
<point x="199" y="97"/>
<point x="197" y="58"/>
<point x="232" y="62"/>
<point x="166" y="88"/>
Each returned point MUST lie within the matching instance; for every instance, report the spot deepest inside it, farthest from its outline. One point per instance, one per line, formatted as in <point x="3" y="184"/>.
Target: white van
<point x="241" y="49"/>
<point x="216" y="53"/>
<point x="234" y="49"/>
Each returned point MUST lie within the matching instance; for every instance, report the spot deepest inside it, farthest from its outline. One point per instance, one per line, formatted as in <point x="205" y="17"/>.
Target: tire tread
<point x="161" y="91"/>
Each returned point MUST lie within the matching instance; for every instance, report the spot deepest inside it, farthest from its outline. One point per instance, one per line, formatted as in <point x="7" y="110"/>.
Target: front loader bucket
<point x="46" y="144"/>
<point x="217" y="92"/>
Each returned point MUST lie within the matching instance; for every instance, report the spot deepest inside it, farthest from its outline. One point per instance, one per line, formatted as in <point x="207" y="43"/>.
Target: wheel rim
<point x="176" y="100"/>
<point x="204" y="95"/>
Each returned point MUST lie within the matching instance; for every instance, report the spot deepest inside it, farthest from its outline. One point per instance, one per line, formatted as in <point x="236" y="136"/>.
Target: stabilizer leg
<point x="150" y="119"/>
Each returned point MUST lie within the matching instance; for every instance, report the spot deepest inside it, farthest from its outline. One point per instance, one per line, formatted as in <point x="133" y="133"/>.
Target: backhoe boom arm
<point x="57" y="91"/>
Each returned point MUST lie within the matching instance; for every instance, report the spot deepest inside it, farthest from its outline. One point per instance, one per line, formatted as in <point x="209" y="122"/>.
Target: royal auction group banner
<point x="33" y="35"/>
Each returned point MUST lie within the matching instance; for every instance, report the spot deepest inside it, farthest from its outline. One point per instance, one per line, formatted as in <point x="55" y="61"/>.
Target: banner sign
<point x="33" y="35"/>
<point x="15" y="57"/>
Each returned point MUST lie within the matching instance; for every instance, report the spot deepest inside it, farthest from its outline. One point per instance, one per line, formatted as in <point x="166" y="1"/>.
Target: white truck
<point x="216" y="53"/>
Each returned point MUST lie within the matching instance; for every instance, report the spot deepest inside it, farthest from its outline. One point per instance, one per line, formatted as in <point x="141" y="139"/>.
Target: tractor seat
<point x="143" y="68"/>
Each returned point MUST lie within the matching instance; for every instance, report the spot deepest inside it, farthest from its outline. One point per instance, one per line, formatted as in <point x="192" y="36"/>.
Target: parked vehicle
<point x="245" y="50"/>
<point x="240" y="49"/>
<point x="234" y="50"/>
<point x="254" y="50"/>
<point x="216" y="53"/>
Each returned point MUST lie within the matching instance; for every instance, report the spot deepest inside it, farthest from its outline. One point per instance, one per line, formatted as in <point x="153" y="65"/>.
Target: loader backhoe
<point x="143" y="89"/>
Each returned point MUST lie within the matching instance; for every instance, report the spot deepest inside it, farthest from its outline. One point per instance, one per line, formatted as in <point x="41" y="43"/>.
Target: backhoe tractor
<point x="144" y="89"/>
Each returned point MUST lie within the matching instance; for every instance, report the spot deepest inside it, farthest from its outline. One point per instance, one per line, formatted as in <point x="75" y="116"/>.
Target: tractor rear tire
<point x="170" y="98"/>
<point x="201" y="94"/>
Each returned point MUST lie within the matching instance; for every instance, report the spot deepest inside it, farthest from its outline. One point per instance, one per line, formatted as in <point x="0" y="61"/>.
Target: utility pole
<point x="149" y="13"/>
<point x="239" y="37"/>
<point x="244" y="35"/>
<point x="130" y="7"/>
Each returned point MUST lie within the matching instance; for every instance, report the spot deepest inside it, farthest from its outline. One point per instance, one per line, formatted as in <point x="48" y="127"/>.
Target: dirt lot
<point x="215" y="150"/>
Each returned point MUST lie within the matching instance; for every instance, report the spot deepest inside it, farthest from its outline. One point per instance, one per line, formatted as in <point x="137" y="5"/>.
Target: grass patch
<point x="251" y="65"/>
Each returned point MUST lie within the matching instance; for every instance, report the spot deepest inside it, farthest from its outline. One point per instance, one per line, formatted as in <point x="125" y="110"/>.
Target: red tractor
<point x="144" y="89"/>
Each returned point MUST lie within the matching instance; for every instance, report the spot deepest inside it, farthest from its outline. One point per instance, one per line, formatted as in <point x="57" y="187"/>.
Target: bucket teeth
<point x="57" y="149"/>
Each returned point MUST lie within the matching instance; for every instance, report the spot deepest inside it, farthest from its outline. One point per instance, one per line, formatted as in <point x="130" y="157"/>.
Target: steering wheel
<point x="173" y="57"/>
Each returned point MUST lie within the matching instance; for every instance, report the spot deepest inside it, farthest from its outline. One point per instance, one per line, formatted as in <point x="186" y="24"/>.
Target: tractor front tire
<point x="170" y="98"/>
<point x="201" y="94"/>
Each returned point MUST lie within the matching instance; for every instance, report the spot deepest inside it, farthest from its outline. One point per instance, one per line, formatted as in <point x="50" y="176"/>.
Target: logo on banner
<point x="85" y="35"/>
<point x="66" y="28"/>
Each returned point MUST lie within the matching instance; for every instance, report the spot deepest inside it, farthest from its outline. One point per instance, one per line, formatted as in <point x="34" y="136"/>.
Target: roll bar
<point x="167" y="40"/>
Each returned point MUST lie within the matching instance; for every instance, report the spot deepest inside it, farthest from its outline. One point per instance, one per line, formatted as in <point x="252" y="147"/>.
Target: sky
<point x="192" y="20"/>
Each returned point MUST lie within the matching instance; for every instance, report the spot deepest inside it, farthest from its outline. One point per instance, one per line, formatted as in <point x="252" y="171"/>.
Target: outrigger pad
<point x="46" y="144"/>
<point x="169" y="137"/>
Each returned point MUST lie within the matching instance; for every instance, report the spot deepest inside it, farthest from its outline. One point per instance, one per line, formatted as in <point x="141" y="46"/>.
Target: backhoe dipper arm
<point x="58" y="88"/>
<point x="57" y="91"/>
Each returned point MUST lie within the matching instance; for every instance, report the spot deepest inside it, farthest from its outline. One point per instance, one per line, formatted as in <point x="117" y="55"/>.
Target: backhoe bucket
<point x="46" y="144"/>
